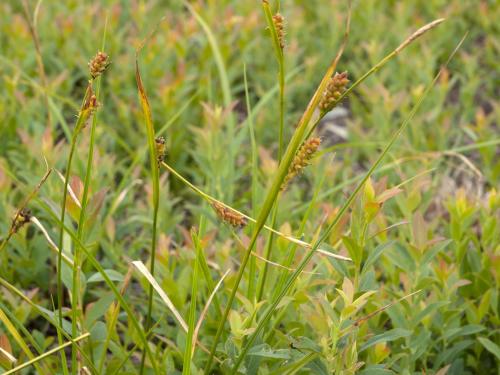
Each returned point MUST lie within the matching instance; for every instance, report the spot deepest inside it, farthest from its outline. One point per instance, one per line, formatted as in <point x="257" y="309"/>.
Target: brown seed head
<point x="160" y="149"/>
<point x="21" y="219"/>
<point x="279" y="25"/>
<point x="228" y="215"/>
<point x="302" y="159"/>
<point x="334" y="90"/>
<point x="98" y="64"/>
<point x="89" y="106"/>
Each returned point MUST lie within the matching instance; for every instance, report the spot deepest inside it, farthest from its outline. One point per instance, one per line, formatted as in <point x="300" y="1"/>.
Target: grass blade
<point x="154" y="284"/>
<point x="205" y="309"/>
<point x="189" y="350"/>
<point x="255" y="173"/>
<point x="153" y="158"/>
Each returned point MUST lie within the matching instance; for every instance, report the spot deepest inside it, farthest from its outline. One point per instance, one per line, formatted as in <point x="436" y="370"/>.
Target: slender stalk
<point x="39" y="60"/>
<point x="186" y="368"/>
<point x="154" y="166"/>
<point x="77" y="298"/>
<point x="291" y="280"/>
<point x="82" y="118"/>
<point x="23" y="205"/>
<point x="251" y="130"/>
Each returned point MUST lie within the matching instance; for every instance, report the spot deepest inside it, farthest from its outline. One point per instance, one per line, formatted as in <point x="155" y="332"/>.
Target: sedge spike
<point x="334" y="90"/>
<point x="279" y="25"/>
<point x="98" y="64"/>
<point x="229" y="216"/>
<point x="302" y="159"/>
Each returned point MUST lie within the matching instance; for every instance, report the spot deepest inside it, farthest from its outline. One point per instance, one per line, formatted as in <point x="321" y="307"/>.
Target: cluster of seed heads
<point x="279" y="25"/>
<point x="334" y="90"/>
<point x="21" y="219"/>
<point x="301" y="159"/>
<point x="160" y="149"/>
<point x="98" y="64"/>
<point x="228" y="215"/>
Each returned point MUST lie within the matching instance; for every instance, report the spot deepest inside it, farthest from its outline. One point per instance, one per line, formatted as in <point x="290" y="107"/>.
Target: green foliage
<point x="421" y="293"/>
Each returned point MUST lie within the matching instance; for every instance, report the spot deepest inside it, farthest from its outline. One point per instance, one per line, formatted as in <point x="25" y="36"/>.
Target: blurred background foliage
<point x="447" y="244"/>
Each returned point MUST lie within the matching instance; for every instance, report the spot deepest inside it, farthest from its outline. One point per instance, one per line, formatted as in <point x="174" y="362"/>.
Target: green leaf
<point x="431" y="253"/>
<point x="391" y="335"/>
<point x="490" y="346"/>
<point x="98" y="309"/>
<point x="469" y="329"/>
<point x="264" y="350"/>
<point x="112" y="274"/>
<point x="375" y="254"/>
<point x="449" y="355"/>
<point x="375" y="370"/>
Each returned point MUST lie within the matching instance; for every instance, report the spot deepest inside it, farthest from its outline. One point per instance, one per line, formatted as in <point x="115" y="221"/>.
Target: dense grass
<point x="420" y="293"/>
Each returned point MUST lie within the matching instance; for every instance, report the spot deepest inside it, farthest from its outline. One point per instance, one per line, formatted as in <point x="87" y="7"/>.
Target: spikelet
<point x="279" y="25"/>
<point x="160" y="149"/>
<point x="21" y="219"/>
<point x="98" y="64"/>
<point x="228" y="215"/>
<point x="301" y="160"/>
<point x="333" y="91"/>
<point x="90" y="105"/>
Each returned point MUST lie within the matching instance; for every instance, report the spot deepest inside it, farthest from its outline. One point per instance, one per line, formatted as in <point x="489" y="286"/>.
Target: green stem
<point x="255" y="170"/>
<point x="60" y="245"/>
<point x="186" y="368"/>
<point x="154" y="166"/>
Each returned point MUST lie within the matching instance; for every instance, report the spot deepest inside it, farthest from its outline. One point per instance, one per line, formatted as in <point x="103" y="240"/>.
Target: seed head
<point x="228" y="215"/>
<point x="160" y="149"/>
<point x="90" y="105"/>
<point x="21" y="219"/>
<point x="302" y="159"/>
<point x="98" y="64"/>
<point x="279" y="25"/>
<point x="333" y="91"/>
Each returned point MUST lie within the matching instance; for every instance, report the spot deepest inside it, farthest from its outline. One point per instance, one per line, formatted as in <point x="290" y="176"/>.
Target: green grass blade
<point x="83" y="116"/>
<point x="153" y="158"/>
<point x="255" y="181"/>
<point x="186" y="368"/>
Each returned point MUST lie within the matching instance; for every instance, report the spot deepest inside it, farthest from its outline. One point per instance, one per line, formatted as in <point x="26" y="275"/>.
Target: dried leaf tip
<point x="302" y="159"/>
<point x="229" y="216"/>
<point x="98" y="64"/>
<point x="419" y="33"/>
<point x="334" y="90"/>
<point x="279" y="25"/>
<point x="160" y="149"/>
<point x="22" y="218"/>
